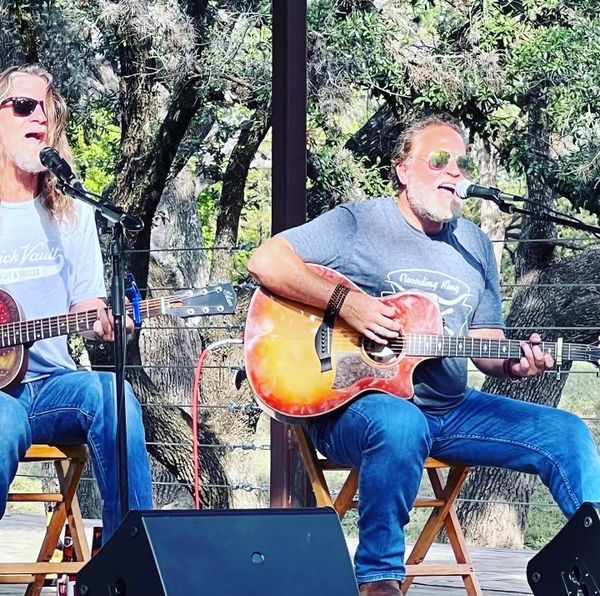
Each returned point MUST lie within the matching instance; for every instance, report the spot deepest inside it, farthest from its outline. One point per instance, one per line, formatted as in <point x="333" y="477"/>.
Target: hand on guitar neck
<point x="531" y="361"/>
<point x="103" y="327"/>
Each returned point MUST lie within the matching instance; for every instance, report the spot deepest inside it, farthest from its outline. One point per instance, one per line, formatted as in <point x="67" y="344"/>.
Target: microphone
<point x="58" y="166"/>
<point x="52" y="160"/>
<point x="466" y="189"/>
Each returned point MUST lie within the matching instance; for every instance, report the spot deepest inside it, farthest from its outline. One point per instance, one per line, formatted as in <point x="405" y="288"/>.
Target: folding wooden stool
<point x="69" y="462"/>
<point x="443" y="513"/>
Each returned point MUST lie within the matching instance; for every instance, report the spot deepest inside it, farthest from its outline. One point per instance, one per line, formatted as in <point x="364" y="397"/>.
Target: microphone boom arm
<point x="113" y="213"/>
<point x="540" y="216"/>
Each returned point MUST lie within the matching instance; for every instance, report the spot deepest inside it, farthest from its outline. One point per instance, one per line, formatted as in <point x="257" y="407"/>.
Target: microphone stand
<point x="118" y="220"/>
<point x="540" y="216"/>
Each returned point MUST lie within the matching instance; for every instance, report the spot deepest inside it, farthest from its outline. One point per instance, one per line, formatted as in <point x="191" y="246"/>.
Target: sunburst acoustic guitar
<point x="17" y="334"/>
<point x="298" y="366"/>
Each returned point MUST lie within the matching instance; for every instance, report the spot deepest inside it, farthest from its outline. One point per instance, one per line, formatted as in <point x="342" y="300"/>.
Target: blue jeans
<point x="70" y="408"/>
<point x="390" y="438"/>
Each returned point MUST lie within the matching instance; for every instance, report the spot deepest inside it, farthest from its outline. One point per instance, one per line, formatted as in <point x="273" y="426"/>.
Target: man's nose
<point x="39" y="115"/>
<point x="452" y="168"/>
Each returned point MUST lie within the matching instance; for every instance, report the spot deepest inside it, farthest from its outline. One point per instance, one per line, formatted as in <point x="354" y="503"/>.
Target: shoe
<point x="386" y="587"/>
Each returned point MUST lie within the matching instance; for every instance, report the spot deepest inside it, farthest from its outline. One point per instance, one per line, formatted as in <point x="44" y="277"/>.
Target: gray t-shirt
<point x="372" y="244"/>
<point x="47" y="268"/>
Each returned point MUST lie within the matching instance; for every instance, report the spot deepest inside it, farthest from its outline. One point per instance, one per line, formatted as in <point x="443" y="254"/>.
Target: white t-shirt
<point x="47" y="268"/>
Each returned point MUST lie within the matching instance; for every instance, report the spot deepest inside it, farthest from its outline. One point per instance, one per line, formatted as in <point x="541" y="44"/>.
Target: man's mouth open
<point x="448" y="188"/>
<point x="36" y="136"/>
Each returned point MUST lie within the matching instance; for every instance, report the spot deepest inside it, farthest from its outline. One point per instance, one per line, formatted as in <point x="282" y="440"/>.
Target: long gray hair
<point x="60" y="207"/>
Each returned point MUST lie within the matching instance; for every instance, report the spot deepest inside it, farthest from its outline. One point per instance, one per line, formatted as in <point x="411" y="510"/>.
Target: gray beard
<point x="420" y="201"/>
<point x="29" y="163"/>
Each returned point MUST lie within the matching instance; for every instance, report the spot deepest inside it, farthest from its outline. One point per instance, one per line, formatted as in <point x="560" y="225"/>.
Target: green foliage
<point x="95" y="146"/>
<point x="207" y="212"/>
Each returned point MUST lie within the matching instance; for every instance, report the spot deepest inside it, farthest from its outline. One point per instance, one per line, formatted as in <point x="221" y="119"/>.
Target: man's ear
<point x="401" y="173"/>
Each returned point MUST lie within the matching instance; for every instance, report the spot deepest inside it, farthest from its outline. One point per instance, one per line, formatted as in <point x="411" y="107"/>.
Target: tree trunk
<point x="170" y="347"/>
<point x="553" y="305"/>
<point x="231" y="201"/>
<point x="493" y="221"/>
<point x="533" y="308"/>
<point x="236" y="419"/>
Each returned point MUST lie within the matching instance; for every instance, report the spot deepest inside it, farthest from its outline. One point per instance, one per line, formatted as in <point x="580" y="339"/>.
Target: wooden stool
<point x="69" y="463"/>
<point x="443" y="513"/>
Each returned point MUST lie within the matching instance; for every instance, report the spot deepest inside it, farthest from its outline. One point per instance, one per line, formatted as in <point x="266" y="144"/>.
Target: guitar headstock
<point x="211" y="300"/>
<point x="592" y="354"/>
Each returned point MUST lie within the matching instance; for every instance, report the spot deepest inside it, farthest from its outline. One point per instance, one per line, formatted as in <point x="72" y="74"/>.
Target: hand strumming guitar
<point x="370" y="316"/>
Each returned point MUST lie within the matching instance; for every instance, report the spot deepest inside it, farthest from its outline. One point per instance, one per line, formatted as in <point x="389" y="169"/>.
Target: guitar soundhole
<point x="383" y="354"/>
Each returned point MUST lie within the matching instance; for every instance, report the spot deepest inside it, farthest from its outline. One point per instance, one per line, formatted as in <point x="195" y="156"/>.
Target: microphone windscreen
<point x="48" y="156"/>
<point x="462" y="189"/>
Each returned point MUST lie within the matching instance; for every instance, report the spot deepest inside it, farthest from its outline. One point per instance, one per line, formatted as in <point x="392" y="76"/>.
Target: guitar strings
<point x="416" y="343"/>
<point x="12" y="333"/>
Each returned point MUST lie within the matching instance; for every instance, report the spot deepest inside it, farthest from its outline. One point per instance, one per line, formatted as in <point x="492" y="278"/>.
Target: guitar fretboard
<point x="24" y="332"/>
<point x="475" y="347"/>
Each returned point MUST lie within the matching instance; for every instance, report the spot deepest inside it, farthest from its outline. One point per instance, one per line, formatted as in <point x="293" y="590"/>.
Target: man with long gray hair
<point x="50" y="264"/>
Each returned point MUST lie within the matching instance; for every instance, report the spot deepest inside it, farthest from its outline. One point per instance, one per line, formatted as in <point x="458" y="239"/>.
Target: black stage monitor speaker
<point x="570" y="563"/>
<point x="248" y="552"/>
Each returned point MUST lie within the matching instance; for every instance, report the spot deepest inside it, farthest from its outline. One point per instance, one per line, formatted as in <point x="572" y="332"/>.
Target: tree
<point x="188" y="84"/>
<point x="171" y="83"/>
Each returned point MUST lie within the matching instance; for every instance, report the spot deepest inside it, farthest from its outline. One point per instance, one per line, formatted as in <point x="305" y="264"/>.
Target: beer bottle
<point x="69" y="556"/>
<point x="68" y="549"/>
<point x="61" y="585"/>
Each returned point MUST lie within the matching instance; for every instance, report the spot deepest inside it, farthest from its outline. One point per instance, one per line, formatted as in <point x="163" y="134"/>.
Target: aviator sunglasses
<point x="440" y="159"/>
<point x="22" y="106"/>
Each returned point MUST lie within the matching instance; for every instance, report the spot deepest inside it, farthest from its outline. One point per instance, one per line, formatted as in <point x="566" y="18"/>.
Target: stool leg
<point x="345" y="498"/>
<point x="80" y="543"/>
<point x="445" y="516"/>
<point x="68" y="473"/>
<point x="313" y="469"/>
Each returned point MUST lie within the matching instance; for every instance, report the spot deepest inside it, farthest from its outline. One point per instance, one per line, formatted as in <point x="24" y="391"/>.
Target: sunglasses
<point x="22" y="106"/>
<point x="440" y="159"/>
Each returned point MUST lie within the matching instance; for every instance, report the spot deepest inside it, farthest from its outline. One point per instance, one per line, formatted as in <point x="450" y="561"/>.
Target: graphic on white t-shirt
<point x="31" y="261"/>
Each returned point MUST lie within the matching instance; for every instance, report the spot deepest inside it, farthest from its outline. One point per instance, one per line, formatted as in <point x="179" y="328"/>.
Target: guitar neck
<point x="439" y="346"/>
<point x="24" y="332"/>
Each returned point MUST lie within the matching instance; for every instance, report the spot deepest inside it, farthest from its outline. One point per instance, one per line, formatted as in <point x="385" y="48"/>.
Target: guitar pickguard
<point x="351" y="368"/>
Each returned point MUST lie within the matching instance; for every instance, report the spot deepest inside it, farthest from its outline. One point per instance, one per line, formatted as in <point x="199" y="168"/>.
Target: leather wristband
<point x="507" y="370"/>
<point x="335" y="302"/>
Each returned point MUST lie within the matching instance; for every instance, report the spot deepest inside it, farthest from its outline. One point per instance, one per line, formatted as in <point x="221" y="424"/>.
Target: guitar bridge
<point x="323" y="345"/>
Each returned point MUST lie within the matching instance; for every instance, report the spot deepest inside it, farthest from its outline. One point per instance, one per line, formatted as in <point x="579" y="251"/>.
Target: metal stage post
<point x="289" y="485"/>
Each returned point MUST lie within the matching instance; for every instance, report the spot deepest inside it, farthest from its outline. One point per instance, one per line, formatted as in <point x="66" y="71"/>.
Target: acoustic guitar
<point x="17" y="334"/>
<point x="298" y="366"/>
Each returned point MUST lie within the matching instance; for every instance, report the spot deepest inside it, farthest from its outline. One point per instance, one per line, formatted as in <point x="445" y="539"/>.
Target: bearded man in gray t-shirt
<point x="416" y="242"/>
<point x="50" y="263"/>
